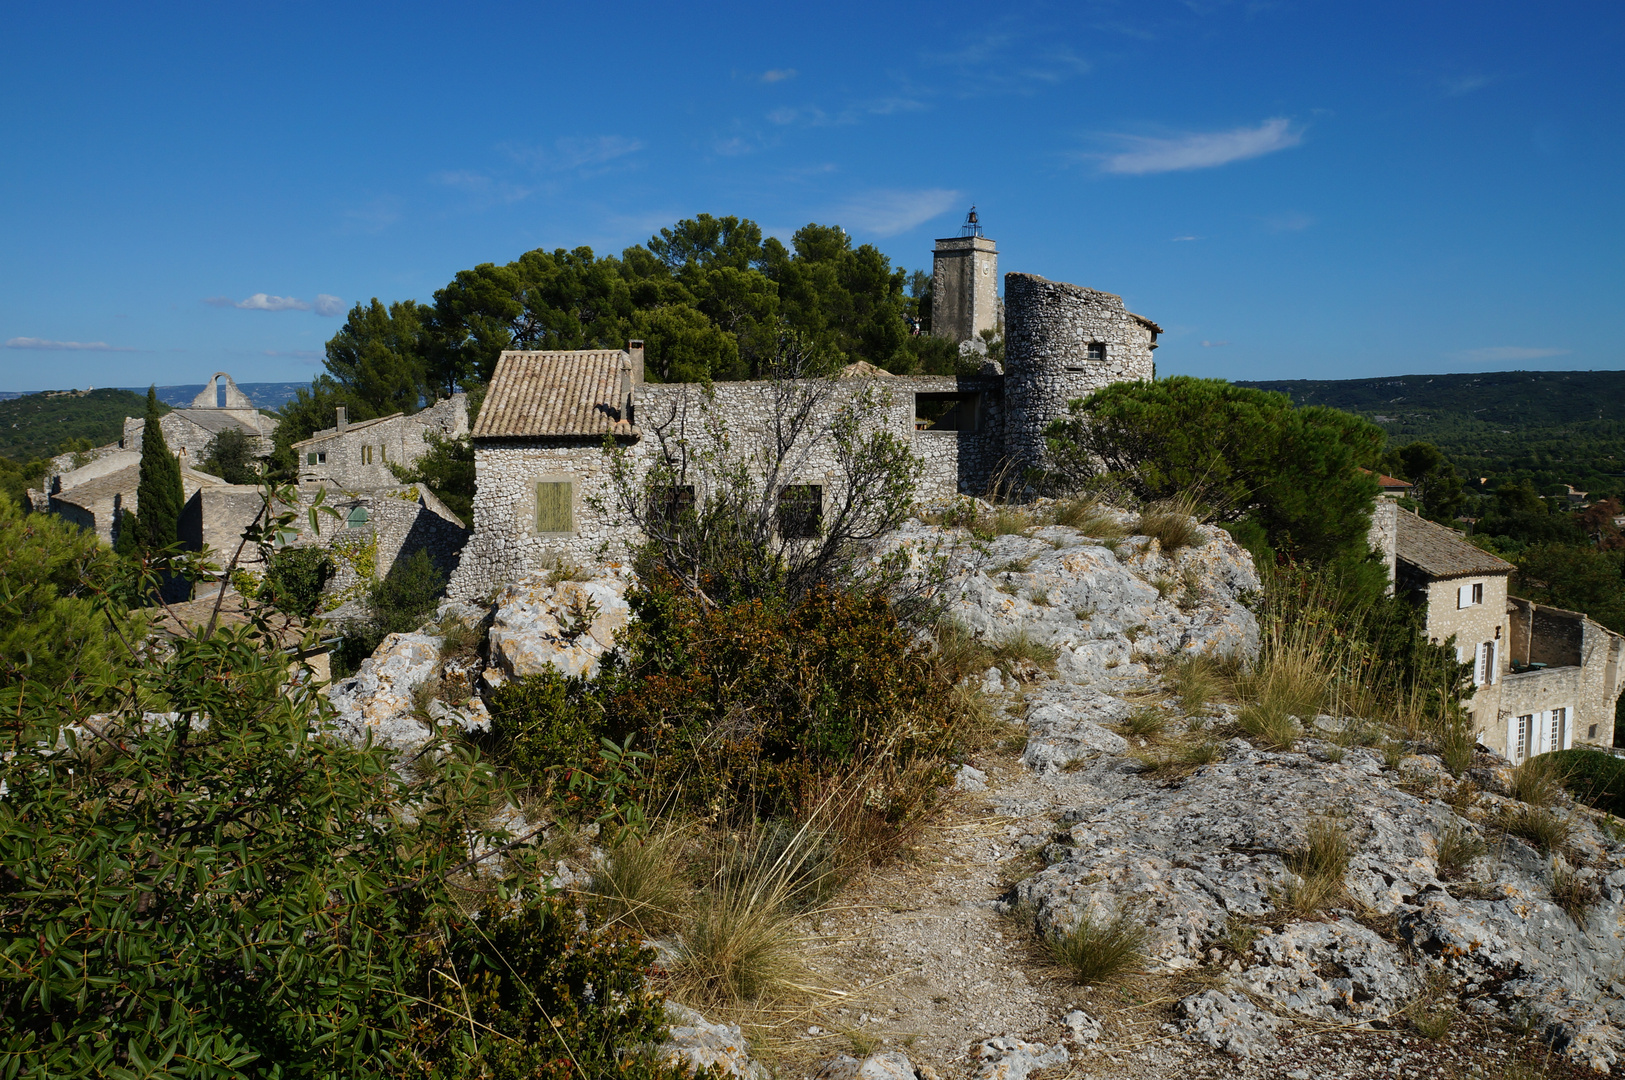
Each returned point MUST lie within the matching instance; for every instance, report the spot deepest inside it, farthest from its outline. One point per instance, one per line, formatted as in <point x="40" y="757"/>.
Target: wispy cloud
<point x="778" y="75"/>
<point x="588" y="154"/>
<point x="325" y="304"/>
<point x="1214" y="344"/>
<point x="486" y="190"/>
<point x="47" y="345"/>
<point x="1182" y="239"/>
<point x="888" y="212"/>
<point x="1008" y="63"/>
<point x="373" y="216"/>
<point x="1506" y="354"/>
<point x="1201" y="150"/>
<point x="1288" y="221"/>
<point x="1461" y="85"/>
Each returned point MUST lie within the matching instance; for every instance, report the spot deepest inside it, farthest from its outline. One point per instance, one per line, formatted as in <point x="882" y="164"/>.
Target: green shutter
<point x="555" y="506"/>
<point x="310" y="459"/>
<point x="357" y="517"/>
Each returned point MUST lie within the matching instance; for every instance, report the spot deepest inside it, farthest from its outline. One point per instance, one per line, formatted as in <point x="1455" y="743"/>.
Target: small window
<point x="667" y="505"/>
<point x="366" y="455"/>
<point x="801" y="511"/>
<point x="555" y="506"/>
<point x="1486" y="663"/>
<point x="383" y="453"/>
<point x="1591" y="732"/>
<point x="1095" y="350"/>
<point x="1559" y="716"/>
<point x="357" y="517"/>
<point x="1520" y="742"/>
<point x="946" y="412"/>
<point x="321" y="458"/>
<point x="1470" y="595"/>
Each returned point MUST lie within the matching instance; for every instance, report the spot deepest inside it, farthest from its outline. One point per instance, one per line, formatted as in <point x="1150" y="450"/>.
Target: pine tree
<point x="159" y="496"/>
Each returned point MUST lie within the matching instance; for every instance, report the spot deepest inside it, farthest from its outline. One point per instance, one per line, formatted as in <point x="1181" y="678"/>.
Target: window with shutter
<point x="555" y="506"/>
<point x="310" y="459"/>
<point x="801" y="511"/>
<point x="356" y="518"/>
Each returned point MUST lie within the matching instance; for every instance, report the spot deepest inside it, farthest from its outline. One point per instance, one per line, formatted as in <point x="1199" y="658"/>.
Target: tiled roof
<point x="556" y="395"/>
<point x="1442" y="553"/>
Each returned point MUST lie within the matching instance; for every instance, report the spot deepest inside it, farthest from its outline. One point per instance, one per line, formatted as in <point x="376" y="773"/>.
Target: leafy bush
<point x="396" y="605"/>
<point x="1237" y="453"/>
<point x="230" y="456"/>
<point x="294" y="579"/>
<point x="545" y="725"/>
<point x="447" y="469"/>
<point x="1593" y="777"/>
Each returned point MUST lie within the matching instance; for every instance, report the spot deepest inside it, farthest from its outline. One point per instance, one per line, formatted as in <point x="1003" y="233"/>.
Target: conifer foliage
<point x="159" y="496"/>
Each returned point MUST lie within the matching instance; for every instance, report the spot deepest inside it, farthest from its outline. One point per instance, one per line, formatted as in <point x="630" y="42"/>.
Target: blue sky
<point x="1293" y="190"/>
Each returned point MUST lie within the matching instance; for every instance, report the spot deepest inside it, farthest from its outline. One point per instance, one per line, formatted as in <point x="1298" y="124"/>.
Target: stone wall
<point x="1473" y="627"/>
<point x="1586" y="673"/>
<point x="1049" y="326"/>
<point x="358" y="455"/>
<point x="507" y="544"/>
<point x="964" y="287"/>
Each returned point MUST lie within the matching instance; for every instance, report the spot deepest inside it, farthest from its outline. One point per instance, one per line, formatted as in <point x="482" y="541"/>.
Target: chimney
<point x="344" y="420"/>
<point x="636" y="349"/>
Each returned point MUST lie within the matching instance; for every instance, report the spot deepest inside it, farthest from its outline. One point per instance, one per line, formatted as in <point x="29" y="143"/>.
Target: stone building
<point x="964" y="284"/>
<point x="1543" y="678"/>
<point x="543" y="477"/>
<point x="220" y="407"/>
<point x="96" y="496"/>
<point x="358" y="455"/>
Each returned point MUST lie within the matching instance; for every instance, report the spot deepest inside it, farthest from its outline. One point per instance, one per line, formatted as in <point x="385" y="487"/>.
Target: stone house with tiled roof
<point x="355" y="456"/>
<point x="543" y="487"/>
<point x="1543" y="678"/>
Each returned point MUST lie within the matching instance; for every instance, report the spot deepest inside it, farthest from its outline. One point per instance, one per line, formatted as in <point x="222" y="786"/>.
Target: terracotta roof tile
<point x="1440" y="552"/>
<point x="556" y="395"/>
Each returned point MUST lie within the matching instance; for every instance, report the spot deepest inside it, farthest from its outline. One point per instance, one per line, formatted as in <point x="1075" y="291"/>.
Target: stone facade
<point x="964" y="287"/>
<point x="1570" y="699"/>
<point x="221" y="406"/>
<point x="96" y="496"/>
<point x="509" y="540"/>
<point x="1479" y="629"/>
<point x="357" y="456"/>
<point x="1063" y="342"/>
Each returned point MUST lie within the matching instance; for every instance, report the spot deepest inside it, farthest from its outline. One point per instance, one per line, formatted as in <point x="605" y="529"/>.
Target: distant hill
<point x="1554" y="426"/>
<point x="35" y="425"/>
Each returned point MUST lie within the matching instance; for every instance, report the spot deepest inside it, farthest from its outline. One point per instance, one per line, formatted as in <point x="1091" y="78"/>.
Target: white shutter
<point x="1464" y="596"/>
<point x="1513" y="723"/>
<point x="1495" y="661"/>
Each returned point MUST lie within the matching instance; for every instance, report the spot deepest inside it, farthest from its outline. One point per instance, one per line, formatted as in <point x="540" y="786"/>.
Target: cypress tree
<point x="159" y="496"/>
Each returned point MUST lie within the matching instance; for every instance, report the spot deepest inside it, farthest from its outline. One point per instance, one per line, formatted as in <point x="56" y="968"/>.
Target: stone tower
<point x="965" y="283"/>
<point x="1064" y="342"/>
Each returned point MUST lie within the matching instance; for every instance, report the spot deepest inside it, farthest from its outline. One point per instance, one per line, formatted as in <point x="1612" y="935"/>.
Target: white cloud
<point x="1182" y="239"/>
<point x="326" y="303"/>
<point x="1288" y="221"/>
<point x="778" y="75"/>
<point x="1201" y="150"/>
<point x="1465" y="84"/>
<point x="1214" y="344"/>
<point x="886" y="213"/>
<point x="576" y="153"/>
<point x="47" y="345"/>
<point x="1504" y="354"/>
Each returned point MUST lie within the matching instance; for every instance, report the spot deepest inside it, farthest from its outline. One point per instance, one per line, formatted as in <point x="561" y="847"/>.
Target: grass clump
<point x="1022" y="646"/>
<point x="1146" y="722"/>
<point x="1432" y="1013"/>
<point x="1088" y="518"/>
<point x="1457" y="849"/>
<point x="636" y="885"/>
<point x="1194" y="680"/>
<point x="1039" y="597"/>
<point x="1574" y="894"/>
<point x="1457" y="745"/>
<point x="1536" y="825"/>
<point x="1316" y="868"/>
<point x="1100" y="950"/>
<point x="1538" y="781"/>
<point x="1179" y="761"/>
<point x="1170" y="523"/>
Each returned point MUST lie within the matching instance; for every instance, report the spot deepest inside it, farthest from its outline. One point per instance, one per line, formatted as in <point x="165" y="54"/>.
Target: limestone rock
<point x="378" y="698"/>
<point x="696" y="1044"/>
<point x="888" y="1065"/>
<point x="565" y="627"/>
<point x="1010" y="1058"/>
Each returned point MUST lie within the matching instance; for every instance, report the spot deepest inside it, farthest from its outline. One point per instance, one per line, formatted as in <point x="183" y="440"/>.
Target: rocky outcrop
<point x="697" y="1044"/>
<point x="542" y="624"/>
<point x="1105" y="606"/>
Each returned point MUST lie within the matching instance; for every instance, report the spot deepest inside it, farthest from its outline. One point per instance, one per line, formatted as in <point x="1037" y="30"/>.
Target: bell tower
<point x="965" y="283"/>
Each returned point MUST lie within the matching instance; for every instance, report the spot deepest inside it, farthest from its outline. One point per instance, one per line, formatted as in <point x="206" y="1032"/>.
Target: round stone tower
<point x="1063" y="342"/>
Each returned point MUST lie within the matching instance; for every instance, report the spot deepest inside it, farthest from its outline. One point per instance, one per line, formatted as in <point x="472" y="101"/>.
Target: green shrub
<point x="1170" y="523"/>
<point x="294" y="579"/>
<point x="396" y="605"/>
<point x="543" y="725"/>
<point x="1594" y="777"/>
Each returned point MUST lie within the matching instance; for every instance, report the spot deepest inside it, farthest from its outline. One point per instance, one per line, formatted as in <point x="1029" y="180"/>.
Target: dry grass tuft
<point x="1538" y="781"/>
<point x="637" y="885"/>
<point x="1172" y="525"/>
<point x="1457" y="744"/>
<point x="1194" y="680"/>
<point x="1179" y="761"/>
<point x="1317" y="868"/>
<point x="1088" y="518"/>
<point x="1146" y="722"/>
<point x="740" y="942"/>
<point x="1023" y="646"/>
<point x="1100" y="950"/>
<point x="1457" y="849"/>
<point x="1571" y="892"/>
<point x="1540" y="827"/>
